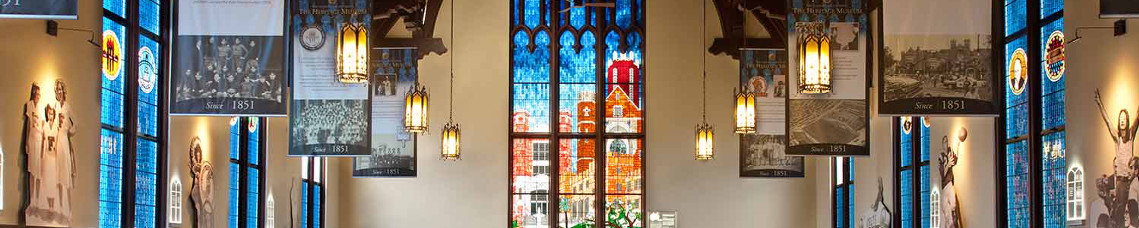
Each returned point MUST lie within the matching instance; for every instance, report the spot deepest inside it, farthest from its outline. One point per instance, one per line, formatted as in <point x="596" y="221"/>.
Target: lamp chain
<point x="704" y="61"/>
<point x="451" y="106"/>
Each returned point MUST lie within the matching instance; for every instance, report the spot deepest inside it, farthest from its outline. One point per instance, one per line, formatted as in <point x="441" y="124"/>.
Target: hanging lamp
<point x="745" y="102"/>
<point x="815" y="63"/>
<point x="705" y="141"/>
<point x="352" y="54"/>
<point x="451" y="131"/>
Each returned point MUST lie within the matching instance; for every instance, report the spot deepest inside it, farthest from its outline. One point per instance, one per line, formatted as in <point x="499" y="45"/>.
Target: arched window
<point x="1075" y="194"/>
<point x="175" y="201"/>
<point x="132" y="160"/>
<point x="565" y="72"/>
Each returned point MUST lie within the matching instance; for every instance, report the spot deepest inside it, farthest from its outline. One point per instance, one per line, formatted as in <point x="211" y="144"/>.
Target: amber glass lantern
<point x="415" y="114"/>
<point x="352" y="54"/>
<point x="705" y="142"/>
<point x="745" y="112"/>
<point x="451" y="141"/>
<point x="815" y="64"/>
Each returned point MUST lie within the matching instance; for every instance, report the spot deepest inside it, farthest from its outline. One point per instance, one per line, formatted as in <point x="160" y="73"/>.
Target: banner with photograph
<point x="393" y="148"/>
<point x="326" y="117"/>
<point x="937" y="58"/>
<point x="764" y="71"/>
<point x="40" y="9"/>
<point x="836" y="123"/>
<point x="229" y="58"/>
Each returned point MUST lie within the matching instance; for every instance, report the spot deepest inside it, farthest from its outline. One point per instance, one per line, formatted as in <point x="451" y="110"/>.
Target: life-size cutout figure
<point x="879" y="214"/>
<point x="950" y="209"/>
<point x="1115" y="189"/>
<point x="201" y="191"/>
<point x="50" y="158"/>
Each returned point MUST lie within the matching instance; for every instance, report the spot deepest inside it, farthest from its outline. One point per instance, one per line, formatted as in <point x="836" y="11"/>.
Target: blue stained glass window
<point x="1018" y="186"/>
<point x="234" y="194"/>
<point x="577" y="102"/>
<point x="146" y="183"/>
<point x="254" y="144"/>
<point x="253" y="198"/>
<point x="1049" y="7"/>
<point x="110" y="176"/>
<point x="148" y="15"/>
<point x="532" y="13"/>
<point x="839" y="208"/>
<point x="117" y="7"/>
<point x="1016" y="124"/>
<point x="1015" y="19"/>
<point x="305" y="209"/>
<point x="318" y="215"/>
<point x="148" y="94"/>
<point x="577" y="66"/>
<point x="1053" y="103"/>
<point x="906" y="153"/>
<point x="532" y="107"/>
<point x="925" y="142"/>
<point x="1054" y="164"/>
<point x="531" y="66"/>
<point x="924" y="196"/>
<point x="906" y="185"/>
<point x="112" y="92"/>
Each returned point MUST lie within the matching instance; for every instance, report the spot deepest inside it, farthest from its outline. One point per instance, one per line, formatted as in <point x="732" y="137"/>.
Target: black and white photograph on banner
<point x="393" y="147"/>
<point x="229" y="58"/>
<point x="327" y="117"/>
<point x="828" y="107"/>
<point x="764" y="156"/>
<point x="231" y="75"/>
<point x="937" y="58"/>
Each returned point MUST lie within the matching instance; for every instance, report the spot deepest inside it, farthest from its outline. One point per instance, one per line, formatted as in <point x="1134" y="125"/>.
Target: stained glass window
<point x="842" y="169"/>
<point x="1034" y="43"/>
<point x="913" y="149"/>
<point x="245" y="171"/>
<point x="132" y="124"/>
<point x="312" y="196"/>
<point x="571" y="74"/>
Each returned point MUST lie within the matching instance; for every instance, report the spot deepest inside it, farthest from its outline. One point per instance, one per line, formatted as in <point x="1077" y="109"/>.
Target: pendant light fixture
<point x="352" y="53"/>
<point x="705" y="142"/>
<point x="451" y="130"/>
<point x="814" y="63"/>
<point x="415" y="112"/>
<point x="745" y="98"/>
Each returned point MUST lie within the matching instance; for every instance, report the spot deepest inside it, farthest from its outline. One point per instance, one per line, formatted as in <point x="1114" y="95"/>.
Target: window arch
<point x="133" y="114"/>
<point x="1075" y="196"/>
<point x="568" y="69"/>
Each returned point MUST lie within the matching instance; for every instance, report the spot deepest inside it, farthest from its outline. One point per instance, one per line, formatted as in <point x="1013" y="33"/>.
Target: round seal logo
<point x="1054" y="61"/>
<point x="147" y="70"/>
<point x="312" y="38"/>
<point x="112" y="55"/>
<point x="253" y="122"/>
<point x="1018" y="71"/>
<point x="907" y="124"/>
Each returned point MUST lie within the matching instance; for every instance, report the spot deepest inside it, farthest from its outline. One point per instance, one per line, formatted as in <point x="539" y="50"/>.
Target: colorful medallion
<point x="1054" y="61"/>
<point x="112" y="55"/>
<point x="1018" y="72"/>
<point x="147" y="70"/>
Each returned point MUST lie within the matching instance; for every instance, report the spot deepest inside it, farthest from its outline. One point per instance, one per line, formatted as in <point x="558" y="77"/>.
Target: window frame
<point x="1076" y="207"/>
<point x="551" y="22"/>
<point x="244" y="163"/>
<point x="130" y="130"/>
<point x="313" y="177"/>
<point x="917" y="144"/>
<point x="842" y="177"/>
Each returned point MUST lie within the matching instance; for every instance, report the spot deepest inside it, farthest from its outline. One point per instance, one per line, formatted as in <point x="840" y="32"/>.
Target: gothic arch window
<point x="132" y="158"/>
<point x="1032" y="164"/>
<point x="175" y="201"/>
<point x="1075" y="196"/>
<point x="567" y="70"/>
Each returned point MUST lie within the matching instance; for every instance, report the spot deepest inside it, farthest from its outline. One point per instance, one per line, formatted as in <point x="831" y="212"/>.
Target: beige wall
<point x="29" y="55"/>
<point x="1110" y="64"/>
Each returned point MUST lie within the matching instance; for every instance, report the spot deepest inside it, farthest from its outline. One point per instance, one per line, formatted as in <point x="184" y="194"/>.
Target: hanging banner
<point x="40" y="9"/>
<point x="393" y="148"/>
<point x="326" y="117"/>
<point x="229" y="58"/>
<point x="837" y="122"/>
<point x="762" y="154"/>
<point x="937" y="58"/>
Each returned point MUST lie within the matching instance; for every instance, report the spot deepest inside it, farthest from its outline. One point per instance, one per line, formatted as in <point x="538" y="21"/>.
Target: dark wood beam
<point x="771" y="15"/>
<point x="387" y="14"/>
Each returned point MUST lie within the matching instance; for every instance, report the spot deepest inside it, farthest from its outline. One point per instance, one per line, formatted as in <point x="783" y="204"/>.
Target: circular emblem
<point x="147" y="70"/>
<point x="1018" y="72"/>
<point x="253" y="124"/>
<point x="112" y="55"/>
<point x="907" y="124"/>
<point x="1054" y="61"/>
<point x="312" y="38"/>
